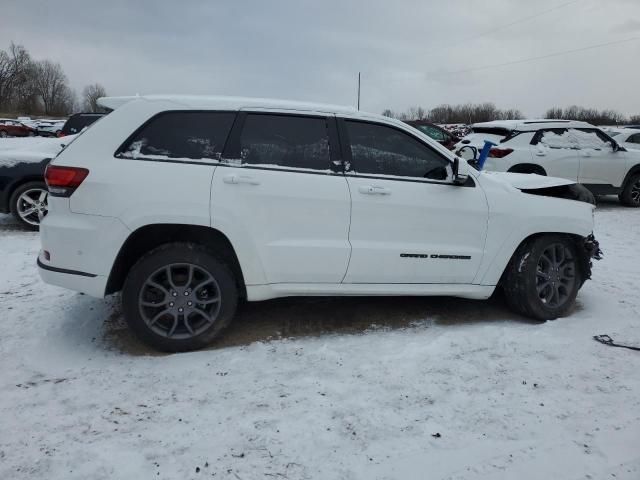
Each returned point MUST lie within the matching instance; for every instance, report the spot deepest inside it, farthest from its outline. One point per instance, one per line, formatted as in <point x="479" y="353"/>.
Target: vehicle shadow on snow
<point x="321" y="316"/>
<point x="609" y="203"/>
<point x="9" y="224"/>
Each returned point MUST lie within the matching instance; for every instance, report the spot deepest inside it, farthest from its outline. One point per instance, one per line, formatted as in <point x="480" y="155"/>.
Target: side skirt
<point x="276" y="290"/>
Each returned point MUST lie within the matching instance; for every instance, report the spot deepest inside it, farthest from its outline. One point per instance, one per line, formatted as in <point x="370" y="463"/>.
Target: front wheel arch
<point x="579" y="242"/>
<point x="520" y="278"/>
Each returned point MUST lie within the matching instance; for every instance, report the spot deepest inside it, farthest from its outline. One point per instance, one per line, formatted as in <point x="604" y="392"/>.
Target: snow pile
<point x="427" y="388"/>
<point x="573" y="138"/>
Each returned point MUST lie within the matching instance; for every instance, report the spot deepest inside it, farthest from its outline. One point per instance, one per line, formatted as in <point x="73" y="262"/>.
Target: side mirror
<point x="460" y="172"/>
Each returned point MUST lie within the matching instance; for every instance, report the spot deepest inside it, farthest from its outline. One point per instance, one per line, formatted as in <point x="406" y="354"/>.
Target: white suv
<point x="188" y="204"/>
<point x="561" y="148"/>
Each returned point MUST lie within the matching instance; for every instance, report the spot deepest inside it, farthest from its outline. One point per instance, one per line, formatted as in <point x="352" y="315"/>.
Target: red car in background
<point x="13" y="128"/>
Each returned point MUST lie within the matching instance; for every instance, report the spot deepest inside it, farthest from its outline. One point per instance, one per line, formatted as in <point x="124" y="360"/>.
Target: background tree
<point x="90" y="96"/>
<point x="590" y="115"/>
<point x="15" y="66"/>
<point x="464" y="113"/>
<point x="51" y="85"/>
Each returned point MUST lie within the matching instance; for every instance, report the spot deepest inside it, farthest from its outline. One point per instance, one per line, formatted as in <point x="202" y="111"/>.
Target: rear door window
<point x="554" y="138"/>
<point x="292" y="141"/>
<point x="180" y="135"/>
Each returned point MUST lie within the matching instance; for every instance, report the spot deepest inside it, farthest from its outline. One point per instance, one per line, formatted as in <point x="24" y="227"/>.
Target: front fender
<point x="514" y="218"/>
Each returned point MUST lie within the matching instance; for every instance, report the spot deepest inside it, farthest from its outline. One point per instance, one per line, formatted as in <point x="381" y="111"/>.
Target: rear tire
<point x="543" y="277"/>
<point x="3" y="134"/>
<point x="169" y="297"/>
<point x="630" y="196"/>
<point x="29" y="204"/>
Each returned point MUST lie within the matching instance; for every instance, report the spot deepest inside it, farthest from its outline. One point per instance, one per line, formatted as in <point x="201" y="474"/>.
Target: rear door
<point x="409" y="223"/>
<point x="556" y="150"/>
<point x="600" y="162"/>
<point x="280" y="193"/>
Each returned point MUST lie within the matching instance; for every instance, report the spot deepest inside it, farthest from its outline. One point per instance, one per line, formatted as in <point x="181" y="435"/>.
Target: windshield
<point x="433" y="132"/>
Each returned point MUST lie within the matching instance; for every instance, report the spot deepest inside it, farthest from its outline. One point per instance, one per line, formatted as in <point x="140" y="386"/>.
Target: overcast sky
<point x="414" y="52"/>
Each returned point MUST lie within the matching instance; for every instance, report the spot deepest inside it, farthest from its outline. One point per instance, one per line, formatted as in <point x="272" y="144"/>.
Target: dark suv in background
<point x="78" y="121"/>
<point x="439" y="134"/>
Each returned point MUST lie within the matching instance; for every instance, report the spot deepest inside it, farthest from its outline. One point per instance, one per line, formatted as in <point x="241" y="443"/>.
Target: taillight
<point x="63" y="181"/>
<point x="499" y="152"/>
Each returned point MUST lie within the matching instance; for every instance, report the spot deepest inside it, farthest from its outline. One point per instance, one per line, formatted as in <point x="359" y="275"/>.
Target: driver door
<point x="409" y="223"/>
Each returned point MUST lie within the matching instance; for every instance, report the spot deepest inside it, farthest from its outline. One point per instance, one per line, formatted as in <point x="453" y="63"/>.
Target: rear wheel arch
<point x="528" y="168"/>
<point x="149" y="237"/>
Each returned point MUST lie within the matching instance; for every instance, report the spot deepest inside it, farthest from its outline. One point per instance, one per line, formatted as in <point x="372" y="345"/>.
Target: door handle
<point x="234" y="179"/>
<point x="374" y="190"/>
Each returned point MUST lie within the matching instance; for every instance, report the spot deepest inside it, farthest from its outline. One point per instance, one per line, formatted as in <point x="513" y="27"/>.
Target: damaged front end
<point x="573" y="191"/>
<point x="588" y="250"/>
<point x="544" y="186"/>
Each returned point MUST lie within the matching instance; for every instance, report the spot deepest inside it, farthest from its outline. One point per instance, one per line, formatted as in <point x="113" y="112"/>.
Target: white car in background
<point x="187" y="204"/>
<point x="629" y="138"/>
<point x="577" y="151"/>
<point x="49" y="128"/>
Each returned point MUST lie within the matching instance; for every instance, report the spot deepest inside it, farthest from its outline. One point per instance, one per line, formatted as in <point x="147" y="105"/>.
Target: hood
<point x="544" y="186"/>
<point x="528" y="181"/>
<point x="33" y="151"/>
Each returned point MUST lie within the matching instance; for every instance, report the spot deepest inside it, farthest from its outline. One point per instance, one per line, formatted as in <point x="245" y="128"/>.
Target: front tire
<point x="543" y="277"/>
<point x="179" y="297"/>
<point x="630" y="196"/>
<point x="29" y="204"/>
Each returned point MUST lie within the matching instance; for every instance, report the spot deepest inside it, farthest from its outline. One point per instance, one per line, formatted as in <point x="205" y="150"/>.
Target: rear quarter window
<point x="180" y="135"/>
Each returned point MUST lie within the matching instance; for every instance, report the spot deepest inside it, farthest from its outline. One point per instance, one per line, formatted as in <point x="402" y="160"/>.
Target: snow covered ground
<point x="403" y="388"/>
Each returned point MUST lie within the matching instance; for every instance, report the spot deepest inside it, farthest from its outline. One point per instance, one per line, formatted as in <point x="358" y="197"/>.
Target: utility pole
<point x="358" y="90"/>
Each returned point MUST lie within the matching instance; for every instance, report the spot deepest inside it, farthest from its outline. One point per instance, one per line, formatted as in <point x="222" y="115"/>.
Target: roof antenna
<point x="358" y="90"/>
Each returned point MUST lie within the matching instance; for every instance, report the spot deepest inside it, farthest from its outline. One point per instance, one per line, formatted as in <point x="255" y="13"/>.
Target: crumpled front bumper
<point x="590" y="251"/>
